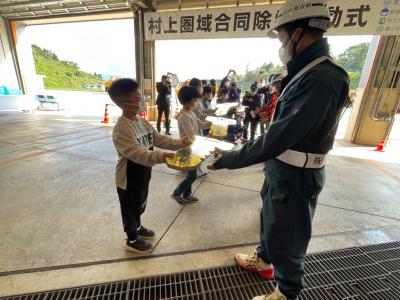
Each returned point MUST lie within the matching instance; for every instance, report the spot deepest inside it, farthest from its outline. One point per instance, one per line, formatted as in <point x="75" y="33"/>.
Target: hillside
<point x="60" y="74"/>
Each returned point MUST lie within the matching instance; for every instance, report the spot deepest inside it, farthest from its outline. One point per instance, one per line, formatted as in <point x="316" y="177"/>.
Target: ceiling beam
<point x="26" y="3"/>
<point x="13" y="5"/>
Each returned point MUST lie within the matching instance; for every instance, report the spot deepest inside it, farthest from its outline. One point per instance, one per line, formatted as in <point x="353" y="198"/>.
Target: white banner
<point x="349" y="17"/>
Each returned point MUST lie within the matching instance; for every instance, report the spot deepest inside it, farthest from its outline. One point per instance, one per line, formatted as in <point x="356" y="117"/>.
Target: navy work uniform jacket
<point x="306" y="116"/>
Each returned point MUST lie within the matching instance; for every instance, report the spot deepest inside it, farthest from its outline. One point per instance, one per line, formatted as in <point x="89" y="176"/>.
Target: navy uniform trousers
<point x="289" y="196"/>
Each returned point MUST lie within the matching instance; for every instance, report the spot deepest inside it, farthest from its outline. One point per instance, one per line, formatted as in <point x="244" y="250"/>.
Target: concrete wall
<point x="25" y="59"/>
<point x="8" y="75"/>
<point x="18" y="103"/>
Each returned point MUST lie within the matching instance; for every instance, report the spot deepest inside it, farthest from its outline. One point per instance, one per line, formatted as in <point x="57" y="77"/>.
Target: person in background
<point x="213" y="84"/>
<point x="233" y="97"/>
<point x="263" y="91"/>
<point x="267" y="111"/>
<point x="234" y="92"/>
<point x="204" y="82"/>
<point x="196" y="83"/>
<point x="206" y="102"/>
<point x="225" y="81"/>
<point x="223" y="96"/>
<point x="199" y="108"/>
<point x="207" y="98"/>
<point x="189" y="126"/>
<point x="134" y="139"/>
<point x="236" y="131"/>
<point x="253" y="102"/>
<point x="163" y="103"/>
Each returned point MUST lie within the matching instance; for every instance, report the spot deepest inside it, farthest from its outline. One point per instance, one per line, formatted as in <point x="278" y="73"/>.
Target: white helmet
<point x="315" y="10"/>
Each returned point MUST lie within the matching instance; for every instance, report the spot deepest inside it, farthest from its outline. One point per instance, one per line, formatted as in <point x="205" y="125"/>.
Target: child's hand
<point x="168" y="155"/>
<point x="186" y="141"/>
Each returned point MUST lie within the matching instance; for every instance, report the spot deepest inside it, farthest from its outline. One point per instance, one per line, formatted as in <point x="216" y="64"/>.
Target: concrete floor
<point x="60" y="222"/>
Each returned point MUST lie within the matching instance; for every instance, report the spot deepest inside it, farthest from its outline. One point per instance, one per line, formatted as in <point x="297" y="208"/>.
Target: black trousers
<point x="133" y="204"/>
<point x="289" y="197"/>
<point x="253" y="127"/>
<point x="163" y="109"/>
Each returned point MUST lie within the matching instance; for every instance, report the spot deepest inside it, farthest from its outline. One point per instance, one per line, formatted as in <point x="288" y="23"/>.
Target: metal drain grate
<point x="371" y="272"/>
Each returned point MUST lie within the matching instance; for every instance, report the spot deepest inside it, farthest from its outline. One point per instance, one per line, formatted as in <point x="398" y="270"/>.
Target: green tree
<point x="250" y="76"/>
<point x="353" y="60"/>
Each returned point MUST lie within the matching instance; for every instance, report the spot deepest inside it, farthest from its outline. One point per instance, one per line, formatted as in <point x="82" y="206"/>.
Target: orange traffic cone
<point x="381" y="146"/>
<point x="106" y="119"/>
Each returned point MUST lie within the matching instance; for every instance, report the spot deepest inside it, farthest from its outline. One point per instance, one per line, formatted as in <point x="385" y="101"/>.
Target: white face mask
<point x="284" y="55"/>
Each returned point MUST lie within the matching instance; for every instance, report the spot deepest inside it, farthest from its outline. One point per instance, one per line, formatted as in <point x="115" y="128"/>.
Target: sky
<point x="107" y="47"/>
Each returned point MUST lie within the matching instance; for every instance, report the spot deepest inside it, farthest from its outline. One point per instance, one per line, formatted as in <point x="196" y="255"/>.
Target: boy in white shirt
<point x="134" y="139"/>
<point x="189" y="126"/>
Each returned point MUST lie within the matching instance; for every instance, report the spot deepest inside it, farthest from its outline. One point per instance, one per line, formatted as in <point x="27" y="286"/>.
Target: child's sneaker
<point x="191" y="199"/>
<point x="178" y="198"/>
<point x="145" y="233"/>
<point x="138" y="246"/>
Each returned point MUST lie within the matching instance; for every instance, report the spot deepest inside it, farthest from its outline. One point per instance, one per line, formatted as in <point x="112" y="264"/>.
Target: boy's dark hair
<point x="164" y="77"/>
<point x="122" y="87"/>
<point x="224" y="91"/>
<point x="207" y="89"/>
<point x="187" y="93"/>
<point x="195" y="82"/>
<point x="204" y="82"/>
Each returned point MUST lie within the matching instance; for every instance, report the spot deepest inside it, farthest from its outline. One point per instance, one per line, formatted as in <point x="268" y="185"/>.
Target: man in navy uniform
<point x="314" y="93"/>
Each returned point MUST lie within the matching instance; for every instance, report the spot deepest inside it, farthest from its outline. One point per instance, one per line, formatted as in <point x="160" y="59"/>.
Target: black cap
<point x="187" y="93"/>
<point x="253" y="87"/>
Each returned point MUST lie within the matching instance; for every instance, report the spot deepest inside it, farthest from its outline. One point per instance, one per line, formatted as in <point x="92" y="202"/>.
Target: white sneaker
<point x="276" y="295"/>
<point x="255" y="263"/>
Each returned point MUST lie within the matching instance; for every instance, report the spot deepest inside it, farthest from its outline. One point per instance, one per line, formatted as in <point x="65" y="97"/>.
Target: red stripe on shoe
<point x="268" y="274"/>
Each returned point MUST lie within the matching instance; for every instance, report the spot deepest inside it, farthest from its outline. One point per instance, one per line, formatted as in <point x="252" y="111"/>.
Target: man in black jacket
<point x="253" y="102"/>
<point x="163" y="103"/>
<point x="314" y="93"/>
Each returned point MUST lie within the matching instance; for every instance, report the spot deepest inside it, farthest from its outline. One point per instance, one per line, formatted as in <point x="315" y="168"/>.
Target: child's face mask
<point x="142" y="104"/>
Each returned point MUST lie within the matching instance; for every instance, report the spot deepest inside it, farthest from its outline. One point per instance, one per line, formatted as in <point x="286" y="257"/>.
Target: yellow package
<point x="184" y="163"/>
